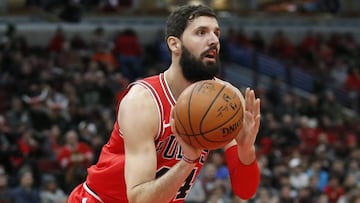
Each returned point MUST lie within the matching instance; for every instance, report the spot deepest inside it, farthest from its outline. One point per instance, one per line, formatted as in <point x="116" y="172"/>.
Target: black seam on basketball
<point x="178" y="120"/>
<point x="220" y="125"/>
<point x="210" y="106"/>
<point x="204" y="116"/>
<point x="199" y="134"/>
<point x="189" y="114"/>
<point x="184" y="135"/>
<point x="189" y="110"/>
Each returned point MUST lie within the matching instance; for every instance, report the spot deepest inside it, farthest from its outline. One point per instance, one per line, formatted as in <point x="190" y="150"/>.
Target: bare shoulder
<point x="138" y="108"/>
<point x="137" y="96"/>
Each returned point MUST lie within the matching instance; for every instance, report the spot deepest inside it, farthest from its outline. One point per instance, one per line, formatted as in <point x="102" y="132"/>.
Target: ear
<point x="174" y="44"/>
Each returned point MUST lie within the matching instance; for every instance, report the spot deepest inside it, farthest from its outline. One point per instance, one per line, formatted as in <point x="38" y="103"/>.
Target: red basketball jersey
<point x="106" y="178"/>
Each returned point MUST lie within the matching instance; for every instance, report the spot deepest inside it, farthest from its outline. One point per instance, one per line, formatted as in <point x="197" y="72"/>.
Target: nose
<point x="213" y="40"/>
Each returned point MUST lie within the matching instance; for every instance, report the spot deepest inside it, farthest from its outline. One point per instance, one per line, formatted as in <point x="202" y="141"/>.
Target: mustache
<point x="212" y="47"/>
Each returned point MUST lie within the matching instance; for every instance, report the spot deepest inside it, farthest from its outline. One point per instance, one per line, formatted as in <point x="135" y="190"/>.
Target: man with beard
<point x="145" y="160"/>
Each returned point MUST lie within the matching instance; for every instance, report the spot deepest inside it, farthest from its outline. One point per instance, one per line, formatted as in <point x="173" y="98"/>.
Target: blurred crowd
<point x="57" y="109"/>
<point x="75" y="10"/>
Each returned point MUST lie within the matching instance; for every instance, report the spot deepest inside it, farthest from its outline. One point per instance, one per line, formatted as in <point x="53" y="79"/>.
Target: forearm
<point x="162" y="189"/>
<point x="244" y="178"/>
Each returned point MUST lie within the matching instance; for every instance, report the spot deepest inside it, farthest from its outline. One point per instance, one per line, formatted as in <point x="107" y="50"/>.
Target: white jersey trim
<point x="166" y="88"/>
<point x="87" y="189"/>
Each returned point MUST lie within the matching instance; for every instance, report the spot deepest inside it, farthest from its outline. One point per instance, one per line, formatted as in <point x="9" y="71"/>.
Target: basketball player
<point x="145" y="160"/>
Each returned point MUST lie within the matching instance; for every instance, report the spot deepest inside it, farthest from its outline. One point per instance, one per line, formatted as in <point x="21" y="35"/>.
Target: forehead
<point x="203" y="21"/>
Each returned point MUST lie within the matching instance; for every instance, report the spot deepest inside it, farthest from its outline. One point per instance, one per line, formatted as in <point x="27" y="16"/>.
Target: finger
<point x="257" y="106"/>
<point x="252" y="100"/>
<point x="256" y="125"/>
<point x="172" y="112"/>
<point x="172" y="121"/>
<point x="247" y="100"/>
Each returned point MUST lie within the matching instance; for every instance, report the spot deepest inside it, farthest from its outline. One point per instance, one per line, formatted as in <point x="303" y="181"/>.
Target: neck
<point x="176" y="81"/>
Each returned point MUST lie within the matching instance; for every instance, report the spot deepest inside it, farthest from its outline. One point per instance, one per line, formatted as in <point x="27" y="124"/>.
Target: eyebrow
<point x="206" y="27"/>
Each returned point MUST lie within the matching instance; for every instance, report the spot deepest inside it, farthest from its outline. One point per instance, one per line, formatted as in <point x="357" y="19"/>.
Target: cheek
<point x="194" y="47"/>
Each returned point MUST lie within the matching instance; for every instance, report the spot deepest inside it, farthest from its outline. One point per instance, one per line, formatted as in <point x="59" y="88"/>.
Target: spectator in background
<point x="7" y="141"/>
<point x="325" y="53"/>
<point x="308" y="134"/>
<point x="258" y="42"/>
<point x="339" y="73"/>
<point x="39" y="117"/>
<point x="128" y="51"/>
<point x="56" y="105"/>
<point x="52" y="144"/>
<point x="286" y="194"/>
<point x="289" y="106"/>
<point x="308" y="47"/>
<point x="98" y="39"/>
<point x="105" y="58"/>
<point x="298" y="176"/>
<point x="50" y="192"/>
<point x="57" y="41"/>
<point x="331" y="109"/>
<point x="197" y="193"/>
<point x="274" y="92"/>
<point x="74" y="157"/>
<point x="162" y="50"/>
<point x="311" y="107"/>
<point x="26" y="192"/>
<point x="304" y="196"/>
<point x="288" y="141"/>
<point x="334" y="190"/>
<point x="77" y="42"/>
<point x="218" y="194"/>
<point x="17" y="115"/>
<point x="352" y="81"/>
<point x="318" y="176"/>
<point x="29" y="146"/>
<point x="264" y="196"/>
<point x="214" y="187"/>
<point x="281" y="47"/>
<point x="5" y="191"/>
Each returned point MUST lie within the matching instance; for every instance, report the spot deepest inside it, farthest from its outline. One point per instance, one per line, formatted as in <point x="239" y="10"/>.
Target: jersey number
<point x="184" y="189"/>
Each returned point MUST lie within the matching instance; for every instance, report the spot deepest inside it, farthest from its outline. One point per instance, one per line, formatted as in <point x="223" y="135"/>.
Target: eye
<point x="200" y="32"/>
<point x="217" y="33"/>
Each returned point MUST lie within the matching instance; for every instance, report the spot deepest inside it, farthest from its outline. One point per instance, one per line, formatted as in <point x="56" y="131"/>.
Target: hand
<point x="247" y="135"/>
<point x="188" y="150"/>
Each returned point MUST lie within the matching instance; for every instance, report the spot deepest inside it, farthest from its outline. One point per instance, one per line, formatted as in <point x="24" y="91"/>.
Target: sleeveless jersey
<point x="106" y="178"/>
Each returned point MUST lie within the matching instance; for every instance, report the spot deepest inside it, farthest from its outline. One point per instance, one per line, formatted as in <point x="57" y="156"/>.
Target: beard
<point x="195" y="69"/>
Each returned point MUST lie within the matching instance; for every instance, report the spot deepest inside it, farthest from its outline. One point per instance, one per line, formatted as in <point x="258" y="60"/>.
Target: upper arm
<point x="138" y="120"/>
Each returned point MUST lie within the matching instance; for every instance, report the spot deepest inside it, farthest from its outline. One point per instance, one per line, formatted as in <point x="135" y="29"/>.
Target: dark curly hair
<point x="178" y="20"/>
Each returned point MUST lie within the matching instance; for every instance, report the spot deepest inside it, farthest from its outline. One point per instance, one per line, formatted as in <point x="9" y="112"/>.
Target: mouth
<point x="211" y="54"/>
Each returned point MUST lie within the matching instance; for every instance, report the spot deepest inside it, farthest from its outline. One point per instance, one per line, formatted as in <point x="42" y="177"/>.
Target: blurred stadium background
<point x="62" y="62"/>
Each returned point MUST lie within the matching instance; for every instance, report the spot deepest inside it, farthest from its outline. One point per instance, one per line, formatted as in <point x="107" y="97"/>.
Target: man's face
<point x="200" y="49"/>
<point x="195" y="69"/>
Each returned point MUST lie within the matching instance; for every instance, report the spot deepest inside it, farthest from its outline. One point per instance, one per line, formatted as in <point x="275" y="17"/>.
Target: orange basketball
<point x="208" y="114"/>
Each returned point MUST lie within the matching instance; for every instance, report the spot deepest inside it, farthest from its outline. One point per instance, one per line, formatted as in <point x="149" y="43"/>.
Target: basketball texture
<point x="208" y="114"/>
